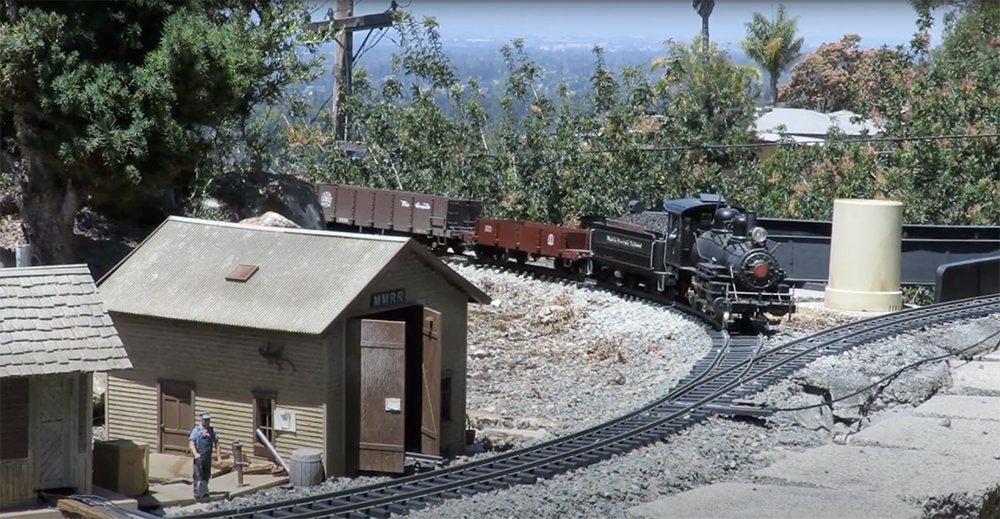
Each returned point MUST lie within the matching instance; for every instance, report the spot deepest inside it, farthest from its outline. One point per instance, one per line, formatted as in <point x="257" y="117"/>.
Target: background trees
<point x="120" y="107"/>
<point x="204" y="99"/>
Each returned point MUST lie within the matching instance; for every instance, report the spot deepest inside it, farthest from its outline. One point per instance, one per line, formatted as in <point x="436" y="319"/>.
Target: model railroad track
<point x="735" y="367"/>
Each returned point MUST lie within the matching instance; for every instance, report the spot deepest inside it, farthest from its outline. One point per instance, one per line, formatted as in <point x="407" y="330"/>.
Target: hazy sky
<point x="876" y="21"/>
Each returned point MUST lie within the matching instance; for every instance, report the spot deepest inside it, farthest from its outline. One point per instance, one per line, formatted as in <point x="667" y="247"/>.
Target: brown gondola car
<point x="502" y="240"/>
<point x="436" y="221"/>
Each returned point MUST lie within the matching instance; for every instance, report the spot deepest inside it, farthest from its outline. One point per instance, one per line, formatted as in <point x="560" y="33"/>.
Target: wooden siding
<point x="426" y="288"/>
<point x="18" y="478"/>
<point x="225" y="366"/>
<point x="17" y="484"/>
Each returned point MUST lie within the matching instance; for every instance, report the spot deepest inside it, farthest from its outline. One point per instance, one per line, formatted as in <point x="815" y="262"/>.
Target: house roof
<point x="799" y="121"/>
<point x="304" y="279"/>
<point x="53" y="321"/>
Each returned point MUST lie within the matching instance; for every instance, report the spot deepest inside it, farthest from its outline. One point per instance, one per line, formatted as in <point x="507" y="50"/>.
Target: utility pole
<point x="346" y="24"/>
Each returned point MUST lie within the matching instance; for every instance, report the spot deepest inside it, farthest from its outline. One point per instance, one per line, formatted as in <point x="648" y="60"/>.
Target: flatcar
<point x="700" y="250"/>
<point x="501" y="240"/>
<point x="438" y="222"/>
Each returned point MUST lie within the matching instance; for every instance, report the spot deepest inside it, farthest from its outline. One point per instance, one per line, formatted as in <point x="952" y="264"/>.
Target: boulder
<point x="270" y="219"/>
<point x="294" y="198"/>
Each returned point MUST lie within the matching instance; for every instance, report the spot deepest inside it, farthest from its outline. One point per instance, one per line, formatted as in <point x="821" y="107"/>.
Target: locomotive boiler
<point x="737" y="273"/>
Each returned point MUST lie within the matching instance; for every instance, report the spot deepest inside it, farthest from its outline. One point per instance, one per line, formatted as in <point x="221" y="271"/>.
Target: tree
<point x="704" y="9"/>
<point x="837" y="76"/>
<point x="773" y="45"/>
<point x="119" y="105"/>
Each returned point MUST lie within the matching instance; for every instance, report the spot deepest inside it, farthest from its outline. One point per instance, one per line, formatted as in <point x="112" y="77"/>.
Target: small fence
<point x="970" y="278"/>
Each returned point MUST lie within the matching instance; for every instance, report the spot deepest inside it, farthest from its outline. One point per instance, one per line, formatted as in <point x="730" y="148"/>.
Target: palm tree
<point x="704" y="9"/>
<point x="773" y="44"/>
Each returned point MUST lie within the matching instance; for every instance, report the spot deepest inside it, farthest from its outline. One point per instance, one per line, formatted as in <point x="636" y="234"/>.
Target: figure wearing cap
<point x="201" y="441"/>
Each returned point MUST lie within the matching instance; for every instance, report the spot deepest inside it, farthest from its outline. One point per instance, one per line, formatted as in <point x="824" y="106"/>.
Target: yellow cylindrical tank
<point x="865" y="252"/>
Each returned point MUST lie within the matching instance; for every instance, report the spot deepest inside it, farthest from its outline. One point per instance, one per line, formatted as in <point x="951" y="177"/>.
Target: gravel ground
<point x="548" y="355"/>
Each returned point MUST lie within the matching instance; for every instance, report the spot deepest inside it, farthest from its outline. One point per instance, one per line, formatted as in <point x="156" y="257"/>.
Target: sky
<point x="876" y="21"/>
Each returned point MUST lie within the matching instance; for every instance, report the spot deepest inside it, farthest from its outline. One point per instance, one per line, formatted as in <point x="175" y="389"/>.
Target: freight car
<point x="439" y="222"/>
<point x="700" y="250"/>
<point x="500" y="240"/>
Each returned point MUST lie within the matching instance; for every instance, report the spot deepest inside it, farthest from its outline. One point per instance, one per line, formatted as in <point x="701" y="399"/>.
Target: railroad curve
<point x="735" y="368"/>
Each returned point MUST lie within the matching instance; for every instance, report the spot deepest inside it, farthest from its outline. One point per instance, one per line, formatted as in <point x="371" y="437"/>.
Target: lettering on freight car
<point x="423" y="205"/>
<point x="392" y="297"/>
<point x="326" y="199"/>
<point x="404" y="203"/>
<point x="487" y="228"/>
<point x="610" y="238"/>
<point x="551" y="240"/>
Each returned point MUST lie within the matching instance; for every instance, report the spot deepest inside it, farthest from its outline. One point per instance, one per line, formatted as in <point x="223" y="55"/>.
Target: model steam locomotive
<point x="700" y="251"/>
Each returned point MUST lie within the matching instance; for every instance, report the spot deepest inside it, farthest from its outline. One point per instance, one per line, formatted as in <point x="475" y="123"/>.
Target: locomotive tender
<point x="701" y="251"/>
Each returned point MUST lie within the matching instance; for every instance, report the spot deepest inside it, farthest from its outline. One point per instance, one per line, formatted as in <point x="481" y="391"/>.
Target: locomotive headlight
<point x="758" y="235"/>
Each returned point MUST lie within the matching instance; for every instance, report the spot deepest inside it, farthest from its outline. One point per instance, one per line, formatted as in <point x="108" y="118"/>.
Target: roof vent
<point x="242" y="273"/>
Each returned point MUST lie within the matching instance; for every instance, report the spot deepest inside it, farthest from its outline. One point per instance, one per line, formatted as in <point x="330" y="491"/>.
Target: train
<point x="699" y="251"/>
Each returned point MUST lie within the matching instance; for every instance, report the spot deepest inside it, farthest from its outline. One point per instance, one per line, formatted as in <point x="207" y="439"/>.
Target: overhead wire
<point x="893" y="375"/>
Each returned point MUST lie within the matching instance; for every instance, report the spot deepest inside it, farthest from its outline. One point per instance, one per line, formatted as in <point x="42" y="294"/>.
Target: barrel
<point x="307" y="468"/>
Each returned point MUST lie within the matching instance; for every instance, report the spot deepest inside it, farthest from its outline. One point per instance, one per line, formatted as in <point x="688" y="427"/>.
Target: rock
<point x="270" y="219"/>
<point x="294" y="198"/>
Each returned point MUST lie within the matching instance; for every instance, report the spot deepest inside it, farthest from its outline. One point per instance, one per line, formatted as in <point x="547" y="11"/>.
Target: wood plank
<point x="430" y="434"/>
<point x="383" y="382"/>
<point x="356" y="23"/>
<point x="83" y="509"/>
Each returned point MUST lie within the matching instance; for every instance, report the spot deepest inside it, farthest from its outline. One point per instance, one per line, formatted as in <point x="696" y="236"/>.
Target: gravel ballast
<point x="560" y="357"/>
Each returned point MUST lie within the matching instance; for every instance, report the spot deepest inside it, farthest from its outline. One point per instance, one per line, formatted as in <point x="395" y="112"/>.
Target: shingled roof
<point x="52" y="321"/>
<point x="264" y="278"/>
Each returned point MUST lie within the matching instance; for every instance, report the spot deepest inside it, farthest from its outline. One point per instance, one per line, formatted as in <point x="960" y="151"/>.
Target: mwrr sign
<point x="392" y="297"/>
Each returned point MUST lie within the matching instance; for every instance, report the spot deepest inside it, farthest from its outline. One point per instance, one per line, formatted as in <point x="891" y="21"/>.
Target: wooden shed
<point x="54" y="334"/>
<point x="352" y="344"/>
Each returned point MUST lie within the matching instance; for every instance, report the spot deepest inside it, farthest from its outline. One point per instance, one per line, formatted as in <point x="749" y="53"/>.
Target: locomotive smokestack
<point x="751" y="219"/>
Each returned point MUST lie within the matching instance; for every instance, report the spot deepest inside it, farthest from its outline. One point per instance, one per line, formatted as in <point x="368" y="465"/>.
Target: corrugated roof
<point x="304" y="278"/>
<point x="53" y="321"/>
<point x="800" y="121"/>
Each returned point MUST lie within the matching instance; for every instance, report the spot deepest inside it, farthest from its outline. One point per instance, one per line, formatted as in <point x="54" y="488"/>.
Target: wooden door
<point x="383" y="383"/>
<point x="176" y="416"/>
<point x="430" y="426"/>
<point x="52" y="400"/>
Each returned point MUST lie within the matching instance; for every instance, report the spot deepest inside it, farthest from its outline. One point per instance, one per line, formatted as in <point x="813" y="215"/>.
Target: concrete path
<point x="950" y="444"/>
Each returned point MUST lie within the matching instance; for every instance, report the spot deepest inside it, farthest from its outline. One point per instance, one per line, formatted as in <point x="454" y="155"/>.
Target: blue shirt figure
<point x="203" y="437"/>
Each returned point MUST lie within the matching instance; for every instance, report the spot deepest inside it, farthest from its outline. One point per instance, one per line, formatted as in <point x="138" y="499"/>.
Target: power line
<point x="757" y="145"/>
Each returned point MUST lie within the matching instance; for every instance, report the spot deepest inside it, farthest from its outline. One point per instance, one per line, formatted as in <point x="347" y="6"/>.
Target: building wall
<point x="225" y="366"/>
<point x="18" y="476"/>
<point x="423" y="287"/>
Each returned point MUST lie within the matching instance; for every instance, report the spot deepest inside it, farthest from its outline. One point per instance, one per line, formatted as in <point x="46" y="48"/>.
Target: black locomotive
<point x="699" y="250"/>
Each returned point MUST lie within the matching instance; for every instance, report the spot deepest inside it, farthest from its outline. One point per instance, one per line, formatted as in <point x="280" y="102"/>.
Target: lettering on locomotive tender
<point x="610" y="238"/>
<point x="392" y="297"/>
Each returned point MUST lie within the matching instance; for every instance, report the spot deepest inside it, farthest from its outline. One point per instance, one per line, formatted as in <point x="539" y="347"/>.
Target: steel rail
<point x="668" y="415"/>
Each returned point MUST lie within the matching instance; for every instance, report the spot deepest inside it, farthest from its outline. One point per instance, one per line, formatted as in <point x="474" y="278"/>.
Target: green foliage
<point x="122" y="105"/>
<point x="551" y="158"/>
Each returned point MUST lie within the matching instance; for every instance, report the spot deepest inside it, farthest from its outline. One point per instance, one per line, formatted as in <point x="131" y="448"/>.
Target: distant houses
<point x="807" y="127"/>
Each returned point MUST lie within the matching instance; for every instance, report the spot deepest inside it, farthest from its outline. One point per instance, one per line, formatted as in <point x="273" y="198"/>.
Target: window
<point x="264" y="403"/>
<point x="14" y="426"/>
<point x="446" y="399"/>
